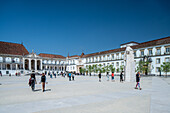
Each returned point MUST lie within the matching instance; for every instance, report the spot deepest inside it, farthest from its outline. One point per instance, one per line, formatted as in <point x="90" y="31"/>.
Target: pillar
<point x="35" y="64"/>
<point x="29" y="64"/>
<point x="23" y="63"/>
<point x="41" y="64"/>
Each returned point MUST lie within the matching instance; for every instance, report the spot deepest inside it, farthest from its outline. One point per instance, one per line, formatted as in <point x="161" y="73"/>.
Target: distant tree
<point x="117" y="70"/>
<point x="111" y="68"/>
<point x="103" y="70"/>
<point x="95" y="69"/>
<point x="107" y="68"/>
<point x="82" y="70"/>
<point x="122" y="68"/>
<point x="165" y="67"/>
<point x="143" y="67"/>
<point x="99" y="68"/>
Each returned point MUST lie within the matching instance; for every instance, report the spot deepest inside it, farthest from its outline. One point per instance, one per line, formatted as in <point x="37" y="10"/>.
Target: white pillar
<point x="41" y="64"/>
<point x="23" y="62"/>
<point x="35" y="64"/>
<point x="29" y="64"/>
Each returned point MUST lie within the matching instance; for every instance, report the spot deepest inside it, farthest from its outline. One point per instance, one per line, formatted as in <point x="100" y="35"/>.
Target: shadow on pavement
<point x="37" y="90"/>
<point x="48" y="90"/>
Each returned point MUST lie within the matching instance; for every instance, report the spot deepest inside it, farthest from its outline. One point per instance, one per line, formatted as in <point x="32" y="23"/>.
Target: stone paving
<point x="84" y="95"/>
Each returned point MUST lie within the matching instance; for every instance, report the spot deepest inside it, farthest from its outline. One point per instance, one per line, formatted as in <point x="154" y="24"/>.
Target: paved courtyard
<point x="84" y="95"/>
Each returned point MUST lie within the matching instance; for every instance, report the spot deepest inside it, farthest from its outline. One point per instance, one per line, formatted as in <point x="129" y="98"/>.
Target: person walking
<point x="69" y="75"/>
<point x="138" y="81"/>
<point x="100" y="77"/>
<point x="113" y="77"/>
<point x="107" y="76"/>
<point x="43" y="81"/>
<point x="73" y="76"/>
<point x="32" y="81"/>
<point x="121" y="76"/>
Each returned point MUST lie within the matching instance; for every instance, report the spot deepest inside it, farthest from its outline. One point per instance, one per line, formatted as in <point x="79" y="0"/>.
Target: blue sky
<point x="62" y="26"/>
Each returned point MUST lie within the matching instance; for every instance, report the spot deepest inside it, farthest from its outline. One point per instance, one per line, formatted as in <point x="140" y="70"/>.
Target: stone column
<point x="29" y="64"/>
<point x="41" y="64"/>
<point x="23" y="63"/>
<point x="130" y="65"/>
<point x="35" y="64"/>
<point x="11" y="66"/>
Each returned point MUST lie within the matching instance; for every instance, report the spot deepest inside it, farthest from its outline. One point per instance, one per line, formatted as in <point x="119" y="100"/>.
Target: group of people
<point x="71" y="75"/>
<point x="32" y="81"/>
<point x="121" y="78"/>
<point x="112" y="76"/>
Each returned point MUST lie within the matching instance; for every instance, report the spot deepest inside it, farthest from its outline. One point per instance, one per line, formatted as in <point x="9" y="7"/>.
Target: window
<point x="158" y="60"/>
<point x="104" y="57"/>
<point x="142" y="52"/>
<point x="167" y="59"/>
<point x="113" y="64"/>
<point x="150" y="52"/>
<point x="167" y="51"/>
<point x="117" y="63"/>
<point x="96" y="59"/>
<point x="158" y="51"/>
<point x="117" y="56"/>
<point x="1" y="59"/>
<point x="122" y="63"/>
<point x="112" y="56"/>
<point x="157" y="69"/>
<point x="108" y="58"/>
<point x="134" y="53"/>
<point x="122" y="56"/>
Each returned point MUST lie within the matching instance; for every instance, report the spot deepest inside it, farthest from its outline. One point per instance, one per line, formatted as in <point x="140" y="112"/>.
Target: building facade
<point x="14" y="58"/>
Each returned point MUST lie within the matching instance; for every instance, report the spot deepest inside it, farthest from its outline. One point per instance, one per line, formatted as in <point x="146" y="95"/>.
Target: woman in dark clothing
<point x="121" y="77"/>
<point x="32" y="81"/>
<point x="100" y="77"/>
<point x="138" y="81"/>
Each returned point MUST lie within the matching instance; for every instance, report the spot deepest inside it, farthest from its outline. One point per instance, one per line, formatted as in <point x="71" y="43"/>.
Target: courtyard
<point x="84" y="95"/>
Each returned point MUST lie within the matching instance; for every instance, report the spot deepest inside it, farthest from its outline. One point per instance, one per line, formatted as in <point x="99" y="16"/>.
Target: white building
<point x="156" y="51"/>
<point x="14" y="58"/>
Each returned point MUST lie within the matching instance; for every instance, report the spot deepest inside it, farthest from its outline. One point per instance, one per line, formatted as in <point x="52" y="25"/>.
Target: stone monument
<point x="129" y="65"/>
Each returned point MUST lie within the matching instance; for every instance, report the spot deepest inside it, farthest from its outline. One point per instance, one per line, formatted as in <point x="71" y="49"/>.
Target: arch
<point x="38" y="65"/>
<point x="26" y="64"/>
<point x="32" y="64"/>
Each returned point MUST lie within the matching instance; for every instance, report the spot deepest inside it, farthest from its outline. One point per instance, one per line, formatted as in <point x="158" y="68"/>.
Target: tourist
<point x="107" y="76"/>
<point x="32" y="81"/>
<point x="112" y="76"/>
<point x="0" y="73"/>
<point x="100" y="77"/>
<point x="121" y="76"/>
<point x="138" y="81"/>
<point x="43" y="81"/>
<point x="73" y="76"/>
<point x="55" y="75"/>
<point x="69" y="75"/>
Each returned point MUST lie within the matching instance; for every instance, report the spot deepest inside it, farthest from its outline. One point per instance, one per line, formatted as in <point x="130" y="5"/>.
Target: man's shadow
<point x="37" y="90"/>
<point x="48" y="90"/>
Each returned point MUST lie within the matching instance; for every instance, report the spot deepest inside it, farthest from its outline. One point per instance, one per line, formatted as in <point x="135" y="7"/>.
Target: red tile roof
<point x="51" y="56"/>
<point x="73" y="56"/>
<point x="161" y="41"/>
<point x="12" y="48"/>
